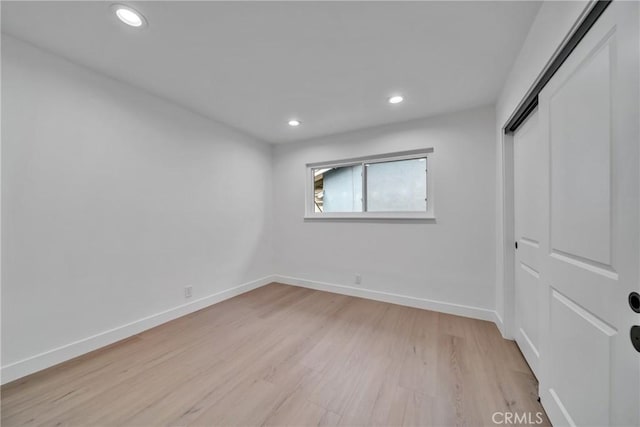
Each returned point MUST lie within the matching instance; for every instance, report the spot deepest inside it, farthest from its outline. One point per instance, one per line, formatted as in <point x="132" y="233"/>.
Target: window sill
<point x="414" y="216"/>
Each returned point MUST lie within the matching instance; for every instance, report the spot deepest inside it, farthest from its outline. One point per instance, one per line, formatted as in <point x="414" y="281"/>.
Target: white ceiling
<point x="255" y="65"/>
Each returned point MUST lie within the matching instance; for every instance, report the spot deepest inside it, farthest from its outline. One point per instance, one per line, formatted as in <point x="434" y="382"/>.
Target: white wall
<point x="451" y="260"/>
<point x="113" y="200"/>
<point x="551" y="26"/>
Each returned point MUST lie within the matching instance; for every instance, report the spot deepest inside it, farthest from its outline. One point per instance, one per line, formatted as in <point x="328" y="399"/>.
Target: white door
<point x="529" y="191"/>
<point x="588" y="117"/>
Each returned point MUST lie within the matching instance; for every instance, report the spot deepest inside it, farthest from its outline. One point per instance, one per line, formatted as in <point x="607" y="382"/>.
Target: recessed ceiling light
<point x="129" y="16"/>
<point x="294" y="123"/>
<point x="396" y="99"/>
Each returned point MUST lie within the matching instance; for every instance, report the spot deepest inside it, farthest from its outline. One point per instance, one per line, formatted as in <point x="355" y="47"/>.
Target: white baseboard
<point x="66" y="352"/>
<point x="500" y="324"/>
<point x="427" y="304"/>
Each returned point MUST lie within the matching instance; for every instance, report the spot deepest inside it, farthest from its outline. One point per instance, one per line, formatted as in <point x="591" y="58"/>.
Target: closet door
<point x="589" y="118"/>
<point x="529" y="189"/>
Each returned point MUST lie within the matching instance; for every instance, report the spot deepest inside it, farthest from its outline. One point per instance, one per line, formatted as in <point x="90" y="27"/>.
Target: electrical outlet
<point x="358" y="279"/>
<point x="188" y="291"/>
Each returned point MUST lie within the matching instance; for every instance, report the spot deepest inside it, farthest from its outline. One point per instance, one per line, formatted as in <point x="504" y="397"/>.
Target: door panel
<point x="577" y="331"/>
<point x="527" y="313"/>
<point x="581" y="166"/>
<point x="590" y="373"/>
<point x="528" y="191"/>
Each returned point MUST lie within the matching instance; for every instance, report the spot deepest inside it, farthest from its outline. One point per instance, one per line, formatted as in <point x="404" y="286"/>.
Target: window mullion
<point x="364" y="187"/>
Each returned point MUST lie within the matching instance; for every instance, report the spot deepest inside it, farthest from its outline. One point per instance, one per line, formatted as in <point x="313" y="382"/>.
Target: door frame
<point x="508" y="234"/>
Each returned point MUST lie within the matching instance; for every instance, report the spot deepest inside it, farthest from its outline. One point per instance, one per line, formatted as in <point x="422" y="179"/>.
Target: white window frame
<point x="429" y="214"/>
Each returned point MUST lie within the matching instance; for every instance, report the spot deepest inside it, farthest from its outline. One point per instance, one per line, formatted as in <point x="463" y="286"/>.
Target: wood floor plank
<point x="419" y="362"/>
<point x="283" y="355"/>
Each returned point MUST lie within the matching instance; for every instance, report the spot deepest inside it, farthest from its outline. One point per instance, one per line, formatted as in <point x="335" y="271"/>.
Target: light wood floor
<point x="283" y="355"/>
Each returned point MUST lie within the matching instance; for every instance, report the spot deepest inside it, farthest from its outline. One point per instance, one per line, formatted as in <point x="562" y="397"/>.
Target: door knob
<point x="634" y="301"/>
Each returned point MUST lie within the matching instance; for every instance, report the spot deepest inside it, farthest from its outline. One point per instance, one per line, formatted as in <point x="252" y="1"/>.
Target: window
<point x="391" y="186"/>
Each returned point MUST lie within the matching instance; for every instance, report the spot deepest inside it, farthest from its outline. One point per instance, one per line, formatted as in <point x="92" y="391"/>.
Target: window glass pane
<point x="397" y="186"/>
<point x="338" y="189"/>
